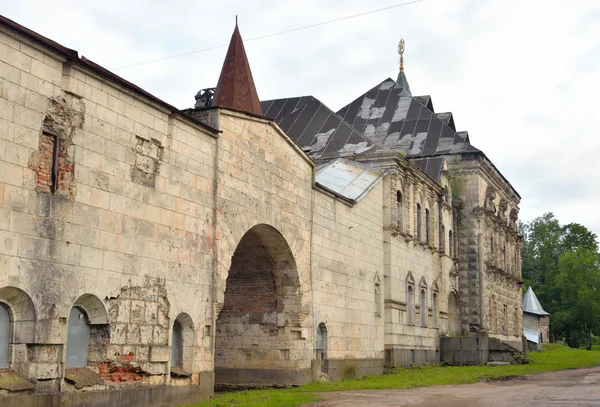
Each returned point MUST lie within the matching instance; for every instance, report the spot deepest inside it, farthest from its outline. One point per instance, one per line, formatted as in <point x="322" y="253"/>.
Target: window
<point x="505" y="328"/>
<point x="399" y="214"/>
<point x="427" y="226"/>
<point x="505" y="264"/>
<point x="4" y="335"/>
<point x="434" y="306"/>
<point x="177" y="345"/>
<point x="418" y="222"/>
<point x="423" y="307"/>
<point x="492" y="245"/>
<point x="442" y="239"/>
<point x="410" y="305"/>
<point x="450" y="244"/>
<point x="78" y="338"/>
<point x="377" y="299"/>
<point x="182" y="344"/>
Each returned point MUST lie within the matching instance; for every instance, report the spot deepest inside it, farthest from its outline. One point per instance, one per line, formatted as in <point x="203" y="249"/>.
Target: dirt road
<point x="566" y="389"/>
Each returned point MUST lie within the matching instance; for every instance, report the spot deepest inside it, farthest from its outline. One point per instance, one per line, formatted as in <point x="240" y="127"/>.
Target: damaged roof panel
<point x="348" y="179"/>
<point x="315" y="128"/>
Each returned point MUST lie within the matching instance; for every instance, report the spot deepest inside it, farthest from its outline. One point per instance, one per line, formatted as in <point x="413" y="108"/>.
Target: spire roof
<point x="531" y="304"/>
<point x="235" y="88"/>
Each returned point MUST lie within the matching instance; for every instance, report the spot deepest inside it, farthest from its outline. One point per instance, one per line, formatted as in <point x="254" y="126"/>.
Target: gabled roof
<point x="531" y="304"/>
<point x="318" y="130"/>
<point x="348" y="179"/>
<point x="235" y="88"/>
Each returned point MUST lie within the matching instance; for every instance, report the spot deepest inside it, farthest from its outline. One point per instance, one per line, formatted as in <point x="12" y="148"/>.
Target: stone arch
<point x="182" y="343"/>
<point x="21" y="312"/>
<point x="453" y="313"/>
<point x="88" y="332"/>
<point x="259" y="325"/>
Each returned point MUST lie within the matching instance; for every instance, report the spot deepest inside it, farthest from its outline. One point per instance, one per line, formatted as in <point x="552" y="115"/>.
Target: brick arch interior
<point x="258" y="329"/>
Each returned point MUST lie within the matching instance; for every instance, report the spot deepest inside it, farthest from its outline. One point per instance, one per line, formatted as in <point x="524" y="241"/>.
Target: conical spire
<point x="402" y="81"/>
<point x="235" y="88"/>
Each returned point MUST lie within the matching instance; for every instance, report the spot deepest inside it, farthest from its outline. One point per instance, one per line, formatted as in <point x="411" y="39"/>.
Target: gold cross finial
<point x="401" y="52"/>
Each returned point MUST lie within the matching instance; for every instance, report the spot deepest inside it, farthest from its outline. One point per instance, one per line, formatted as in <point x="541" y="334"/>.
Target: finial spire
<point x="236" y="20"/>
<point x="402" y="81"/>
<point x="401" y="52"/>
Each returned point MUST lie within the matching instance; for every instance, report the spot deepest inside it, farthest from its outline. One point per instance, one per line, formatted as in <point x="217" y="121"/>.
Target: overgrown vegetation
<point x="562" y="265"/>
<point x="554" y="357"/>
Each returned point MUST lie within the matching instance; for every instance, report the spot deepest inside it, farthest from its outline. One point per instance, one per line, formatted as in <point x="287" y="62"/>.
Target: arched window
<point x="177" y="345"/>
<point x="427" y="226"/>
<point x="321" y="346"/>
<point x="434" y="306"/>
<point x="4" y="336"/>
<point x="399" y="213"/>
<point x="410" y="304"/>
<point x="377" y="299"/>
<point x="418" y="222"/>
<point x="450" y="244"/>
<point x="78" y="338"/>
<point x="423" y="307"/>
<point x="182" y="344"/>
<point x="442" y="239"/>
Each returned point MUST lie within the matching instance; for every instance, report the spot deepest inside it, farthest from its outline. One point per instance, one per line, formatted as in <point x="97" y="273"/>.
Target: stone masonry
<point x="198" y="249"/>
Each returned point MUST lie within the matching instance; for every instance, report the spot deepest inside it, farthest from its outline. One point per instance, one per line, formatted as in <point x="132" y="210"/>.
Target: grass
<point x="554" y="357"/>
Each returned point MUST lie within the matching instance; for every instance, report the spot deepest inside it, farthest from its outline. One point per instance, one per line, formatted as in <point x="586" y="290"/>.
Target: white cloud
<point x="522" y="77"/>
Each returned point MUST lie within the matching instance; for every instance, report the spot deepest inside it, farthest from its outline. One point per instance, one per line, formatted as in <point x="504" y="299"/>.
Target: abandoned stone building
<point x="148" y="254"/>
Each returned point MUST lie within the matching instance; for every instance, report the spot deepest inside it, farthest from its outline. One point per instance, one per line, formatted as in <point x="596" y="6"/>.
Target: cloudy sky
<point x="522" y="76"/>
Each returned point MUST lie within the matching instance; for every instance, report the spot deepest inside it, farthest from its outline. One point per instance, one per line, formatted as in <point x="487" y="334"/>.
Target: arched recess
<point x="321" y="347"/>
<point x="22" y="314"/>
<point x="182" y="343"/>
<point x="453" y="313"/>
<point x="259" y="327"/>
<point x="88" y="332"/>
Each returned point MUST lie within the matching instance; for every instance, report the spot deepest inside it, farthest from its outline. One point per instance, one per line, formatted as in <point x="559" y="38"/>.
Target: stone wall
<point x="489" y="250"/>
<point x="121" y="228"/>
<point x="419" y="263"/>
<point x="347" y="261"/>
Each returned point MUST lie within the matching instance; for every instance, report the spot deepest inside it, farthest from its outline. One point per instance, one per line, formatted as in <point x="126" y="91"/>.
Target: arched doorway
<point x="453" y="314"/>
<point x="259" y="338"/>
<point x="321" y="347"/>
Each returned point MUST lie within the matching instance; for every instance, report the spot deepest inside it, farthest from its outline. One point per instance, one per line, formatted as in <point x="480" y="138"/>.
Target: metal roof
<point x="386" y="117"/>
<point x="347" y="179"/>
<point x="531" y="304"/>
<point x="318" y="130"/>
<point x="531" y="335"/>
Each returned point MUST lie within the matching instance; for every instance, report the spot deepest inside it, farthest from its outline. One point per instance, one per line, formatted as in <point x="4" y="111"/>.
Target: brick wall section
<point x="250" y="284"/>
<point x="43" y="171"/>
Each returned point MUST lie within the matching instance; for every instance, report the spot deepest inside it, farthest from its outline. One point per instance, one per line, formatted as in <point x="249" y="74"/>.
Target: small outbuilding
<point x="536" y="321"/>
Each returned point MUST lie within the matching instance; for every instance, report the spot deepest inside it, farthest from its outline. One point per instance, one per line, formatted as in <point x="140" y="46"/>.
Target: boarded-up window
<point x="78" y="338"/>
<point x="4" y="336"/>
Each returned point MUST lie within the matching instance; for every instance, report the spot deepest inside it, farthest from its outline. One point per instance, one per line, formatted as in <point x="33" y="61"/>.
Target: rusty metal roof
<point x="348" y="179"/>
<point x="236" y="87"/>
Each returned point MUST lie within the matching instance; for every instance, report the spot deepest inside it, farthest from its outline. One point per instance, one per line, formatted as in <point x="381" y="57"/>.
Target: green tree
<point x="540" y="251"/>
<point x="576" y="236"/>
<point x="578" y="281"/>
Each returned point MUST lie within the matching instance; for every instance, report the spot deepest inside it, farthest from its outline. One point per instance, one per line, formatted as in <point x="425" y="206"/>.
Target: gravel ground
<point x="567" y="388"/>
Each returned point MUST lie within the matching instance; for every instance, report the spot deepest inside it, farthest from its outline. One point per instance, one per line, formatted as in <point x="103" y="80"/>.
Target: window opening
<point x="427" y="226"/>
<point x="399" y="209"/>
<point x="78" y="338"/>
<point x="419" y="222"/>
<point x="410" y="305"/>
<point x="423" y="307"/>
<point x="177" y="345"/>
<point x="4" y="336"/>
